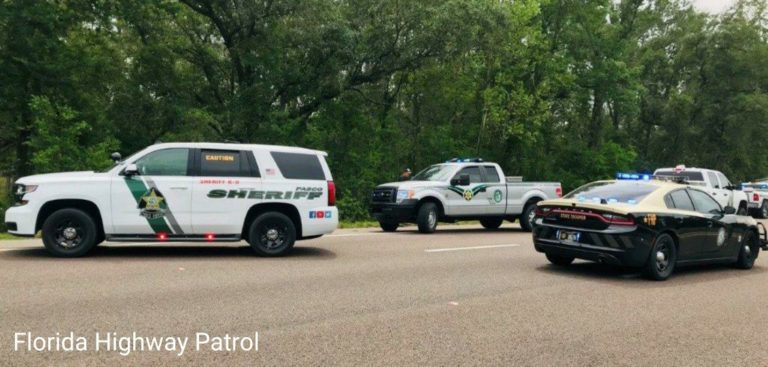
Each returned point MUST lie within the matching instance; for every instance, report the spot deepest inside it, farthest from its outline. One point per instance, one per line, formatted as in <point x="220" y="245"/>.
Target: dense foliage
<point x="567" y="90"/>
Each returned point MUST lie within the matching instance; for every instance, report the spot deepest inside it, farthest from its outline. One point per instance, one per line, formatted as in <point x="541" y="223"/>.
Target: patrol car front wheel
<point x="272" y="234"/>
<point x="69" y="233"/>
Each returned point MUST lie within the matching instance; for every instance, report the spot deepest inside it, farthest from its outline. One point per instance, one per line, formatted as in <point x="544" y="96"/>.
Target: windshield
<point x="438" y="172"/>
<point x="611" y="192"/>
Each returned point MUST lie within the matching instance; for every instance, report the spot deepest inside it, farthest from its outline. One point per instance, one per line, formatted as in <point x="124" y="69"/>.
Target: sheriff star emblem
<point x="150" y="204"/>
<point x="468" y="195"/>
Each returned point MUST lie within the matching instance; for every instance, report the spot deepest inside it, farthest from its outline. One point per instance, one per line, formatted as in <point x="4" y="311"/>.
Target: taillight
<point x="541" y="211"/>
<point x="331" y="193"/>
<point x="618" y="220"/>
<point x="755" y="197"/>
<point x="559" y="191"/>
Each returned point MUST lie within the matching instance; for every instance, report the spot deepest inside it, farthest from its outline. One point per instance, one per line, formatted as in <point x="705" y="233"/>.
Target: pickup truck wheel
<point x="559" y="260"/>
<point x="750" y="248"/>
<point x="763" y="210"/>
<point x="426" y="218"/>
<point x="272" y="234"/>
<point x="69" y="233"/>
<point x="526" y="220"/>
<point x="389" y="226"/>
<point x="662" y="259"/>
<point x="742" y="210"/>
<point x="491" y="223"/>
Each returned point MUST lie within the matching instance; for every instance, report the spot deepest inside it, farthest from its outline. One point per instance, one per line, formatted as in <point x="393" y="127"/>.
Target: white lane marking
<point x="354" y="234"/>
<point x="470" y="248"/>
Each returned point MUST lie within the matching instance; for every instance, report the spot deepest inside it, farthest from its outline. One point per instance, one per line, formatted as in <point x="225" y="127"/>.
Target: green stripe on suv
<point x="138" y="189"/>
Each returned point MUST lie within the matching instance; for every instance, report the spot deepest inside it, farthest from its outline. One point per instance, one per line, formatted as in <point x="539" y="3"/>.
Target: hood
<point x="410" y="185"/>
<point x="55" y="177"/>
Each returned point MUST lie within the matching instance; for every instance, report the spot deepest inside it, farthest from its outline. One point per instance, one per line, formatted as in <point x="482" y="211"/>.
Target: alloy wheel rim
<point x="663" y="253"/>
<point x="432" y="219"/>
<point x="69" y="235"/>
<point x="531" y="215"/>
<point x="273" y="235"/>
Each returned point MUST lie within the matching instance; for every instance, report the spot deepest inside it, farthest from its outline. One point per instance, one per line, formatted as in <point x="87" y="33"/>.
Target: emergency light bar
<point x="633" y="176"/>
<point x="464" y="160"/>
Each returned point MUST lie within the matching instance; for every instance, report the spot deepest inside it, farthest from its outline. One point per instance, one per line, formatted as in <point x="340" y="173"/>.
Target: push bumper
<point x="404" y="211"/>
<point x="21" y="220"/>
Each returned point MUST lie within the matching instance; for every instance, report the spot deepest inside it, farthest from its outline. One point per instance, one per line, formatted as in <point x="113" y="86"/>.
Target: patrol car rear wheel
<point x="491" y="223"/>
<point x="750" y="248"/>
<point x="426" y="218"/>
<point x="272" y="234"/>
<point x="69" y="233"/>
<point x="663" y="258"/>
<point x="389" y="226"/>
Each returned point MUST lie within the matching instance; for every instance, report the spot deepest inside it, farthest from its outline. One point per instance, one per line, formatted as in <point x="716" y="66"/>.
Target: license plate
<point x="568" y="236"/>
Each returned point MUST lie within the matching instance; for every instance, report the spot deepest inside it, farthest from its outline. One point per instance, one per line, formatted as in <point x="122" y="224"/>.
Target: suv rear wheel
<point x="70" y="233"/>
<point x="272" y="234"/>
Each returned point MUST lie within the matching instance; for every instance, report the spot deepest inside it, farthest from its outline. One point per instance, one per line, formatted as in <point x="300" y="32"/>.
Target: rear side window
<point x="299" y="166"/>
<point x="491" y="175"/>
<point x="223" y="163"/>
<point x="681" y="200"/>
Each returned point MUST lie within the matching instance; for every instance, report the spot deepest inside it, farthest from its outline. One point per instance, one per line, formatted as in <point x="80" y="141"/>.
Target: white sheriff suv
<point x="270" y="196"/>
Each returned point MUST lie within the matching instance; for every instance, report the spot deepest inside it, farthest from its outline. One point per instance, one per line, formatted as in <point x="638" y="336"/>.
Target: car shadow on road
<point x="462" y="230"/>
<point x="181" y="251"/>
<point x="622" y="276"/>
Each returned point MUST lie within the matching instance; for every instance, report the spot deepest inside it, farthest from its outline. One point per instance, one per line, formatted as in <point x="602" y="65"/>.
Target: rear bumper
<point x="404" y="211"/>
<point x="319" y="221"/>
<point x="21" y="220"/>
<point x="623" y="248"/>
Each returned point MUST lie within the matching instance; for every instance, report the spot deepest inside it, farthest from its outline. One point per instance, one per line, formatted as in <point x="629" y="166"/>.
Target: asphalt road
<point x="462" y="296"/>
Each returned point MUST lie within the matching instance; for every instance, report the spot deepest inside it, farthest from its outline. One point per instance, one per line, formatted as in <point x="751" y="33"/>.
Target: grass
<point x="7" y="236"/>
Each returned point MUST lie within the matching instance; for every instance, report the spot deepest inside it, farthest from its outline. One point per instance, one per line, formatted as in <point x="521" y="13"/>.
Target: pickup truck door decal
<point x="153" y="205"/>
<point x="469" y="193"/>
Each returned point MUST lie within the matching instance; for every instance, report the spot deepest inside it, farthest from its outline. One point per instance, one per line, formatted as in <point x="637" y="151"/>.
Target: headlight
<point x="404" y="194"/>
<point x="20" y="190"/>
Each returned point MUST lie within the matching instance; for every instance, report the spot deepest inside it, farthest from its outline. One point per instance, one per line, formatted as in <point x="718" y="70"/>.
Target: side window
<point x="299" y="166"/>
<point x="681" y="200"/>
<point x="704" y="203"/>
<point x="166" y="162"/>
<point x="713" y="179"/>
<point x="723" y="180"/>
<point x="491" y="174"/>
<point x="473" y="172"/>
<point x="669" y="202"/>
<point x="223" y="163"/>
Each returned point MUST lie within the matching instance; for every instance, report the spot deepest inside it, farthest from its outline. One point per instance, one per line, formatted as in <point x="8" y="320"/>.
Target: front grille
<point x="384" y="195"/>
<point x="11" y="226"/>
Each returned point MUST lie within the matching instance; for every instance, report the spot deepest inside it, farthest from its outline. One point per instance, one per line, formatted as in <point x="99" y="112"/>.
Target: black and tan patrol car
<point x="645" y="223"/>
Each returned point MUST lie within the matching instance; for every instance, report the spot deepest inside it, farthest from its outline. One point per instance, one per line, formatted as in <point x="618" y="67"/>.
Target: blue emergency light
<point x="633" y="176"/>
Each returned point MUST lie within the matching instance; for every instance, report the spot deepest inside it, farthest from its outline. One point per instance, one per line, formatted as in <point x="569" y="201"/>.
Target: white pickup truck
<point x="714" y="182"/>
<point x="757" y="198"/>
<point x="460" y="189"/>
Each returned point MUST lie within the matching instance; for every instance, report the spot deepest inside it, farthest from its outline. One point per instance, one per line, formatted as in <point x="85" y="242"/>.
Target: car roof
<point x="239" y="146"/>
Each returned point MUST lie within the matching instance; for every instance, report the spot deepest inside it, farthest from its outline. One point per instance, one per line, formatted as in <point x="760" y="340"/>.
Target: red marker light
<point x="162" y="236"/>
<point x="559" y="191"/>
<point x="755" y="197"/>
<point x="210" y="237"/>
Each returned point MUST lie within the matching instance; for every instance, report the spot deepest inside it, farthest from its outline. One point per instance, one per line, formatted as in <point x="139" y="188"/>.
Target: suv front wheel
<point x="70" y="233"/>
<point x="272" y="234"/>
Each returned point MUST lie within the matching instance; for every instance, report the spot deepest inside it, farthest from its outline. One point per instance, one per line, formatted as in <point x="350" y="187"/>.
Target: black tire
<point x="389" y="226"/>
<point x="763" y="211"/>
<point x="662" y="259"/>
<point x="526" y="218"/>
<point x="272" y="234"/>
<point x="559" y="260"/>
<point x="491" y="222"/>
<point x="750" y="249"/>
<point x="742" y="210"/>
<point x="70" y="233"/>
<point x="426" y="218"/>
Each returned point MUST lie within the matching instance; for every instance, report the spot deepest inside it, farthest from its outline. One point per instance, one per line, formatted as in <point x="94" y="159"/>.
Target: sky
<point x="713" y="6"/>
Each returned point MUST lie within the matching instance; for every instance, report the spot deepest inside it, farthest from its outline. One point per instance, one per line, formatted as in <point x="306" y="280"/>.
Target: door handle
<point x="483" y="190"/>
<point x="714" y="194"/>
<point x="178" y="188"/>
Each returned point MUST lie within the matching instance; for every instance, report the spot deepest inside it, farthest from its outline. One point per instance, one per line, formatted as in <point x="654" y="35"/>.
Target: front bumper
<point x="21" y="220"/>
<point x="405" y="211"/>
<point x="625" y="248"/>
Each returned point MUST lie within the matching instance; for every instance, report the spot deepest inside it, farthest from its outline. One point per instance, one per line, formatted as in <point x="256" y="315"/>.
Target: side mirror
<point x="131" y="170"/>
<point x="116" y="157"/>
<point x="729" y="210"/>
<point x="463" y="180"/>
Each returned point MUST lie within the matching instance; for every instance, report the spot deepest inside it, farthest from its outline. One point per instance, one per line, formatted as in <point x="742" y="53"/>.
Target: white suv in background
<point x="270" y="196"/>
